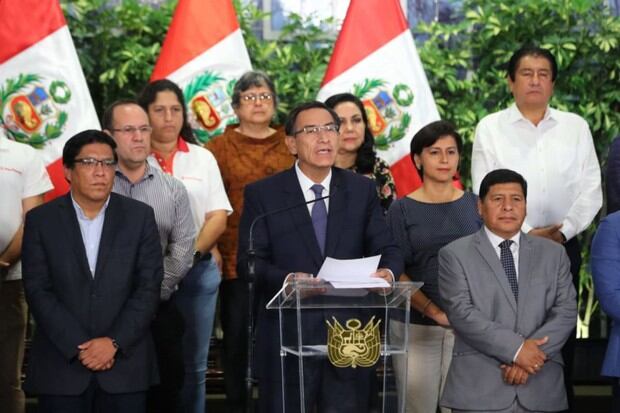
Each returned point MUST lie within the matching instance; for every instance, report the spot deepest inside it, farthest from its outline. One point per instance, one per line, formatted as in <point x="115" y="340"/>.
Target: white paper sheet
<point x="355" y="273"/>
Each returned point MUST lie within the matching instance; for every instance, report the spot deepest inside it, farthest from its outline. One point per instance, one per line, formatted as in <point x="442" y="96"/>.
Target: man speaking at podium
<point x="293" y="244"/>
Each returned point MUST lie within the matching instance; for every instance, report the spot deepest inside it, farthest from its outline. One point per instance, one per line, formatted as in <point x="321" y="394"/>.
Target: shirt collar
<point x="496" y="239"/>
<point x="148" y="172"/>
<point x="182" y="145"/>
<point x="80" y="212"/>
<point x="306" y="183"/>
<point x="515" y="115"/>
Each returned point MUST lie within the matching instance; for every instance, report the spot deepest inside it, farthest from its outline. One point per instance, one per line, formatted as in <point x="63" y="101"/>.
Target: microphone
<point x="251" y="250"/>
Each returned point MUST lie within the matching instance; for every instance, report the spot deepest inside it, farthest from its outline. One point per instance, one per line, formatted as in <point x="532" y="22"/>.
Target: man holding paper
<point x="293" y="244"/>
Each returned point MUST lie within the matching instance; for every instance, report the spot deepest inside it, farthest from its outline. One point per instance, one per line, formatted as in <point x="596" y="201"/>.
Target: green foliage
<point x="117" y="45"/>
<point x="296" y="60"/>
<point x="465" y="62"/>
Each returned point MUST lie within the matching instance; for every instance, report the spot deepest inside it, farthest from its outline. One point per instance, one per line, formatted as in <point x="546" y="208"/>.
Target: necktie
<point x="319" y="216"/>
<point x="509" y="266"/>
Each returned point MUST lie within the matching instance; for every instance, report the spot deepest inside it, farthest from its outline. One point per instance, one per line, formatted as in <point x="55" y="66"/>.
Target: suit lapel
<point x="337" y="212"/>
<point x="111" y="225"/>
<point x="490" y="256"/>
<point x="74" y="234"/>
<point x="300" y="216"/>
<point x="525" y="271"/>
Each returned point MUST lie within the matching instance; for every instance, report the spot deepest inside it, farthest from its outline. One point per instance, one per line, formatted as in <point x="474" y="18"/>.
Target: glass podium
<point x="335" y="343"/>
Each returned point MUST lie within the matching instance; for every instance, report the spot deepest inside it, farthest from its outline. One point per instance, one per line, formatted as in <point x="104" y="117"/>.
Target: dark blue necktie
<point x="508" y="263"/>
<point x="319" y="216"/>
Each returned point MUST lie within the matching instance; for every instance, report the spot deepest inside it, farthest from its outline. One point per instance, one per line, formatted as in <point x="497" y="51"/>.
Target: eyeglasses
<point x="92" y="163"/>
<point x="251" y="97"/>
<point x="130" y="130"/>
<point x="329" y="129"/>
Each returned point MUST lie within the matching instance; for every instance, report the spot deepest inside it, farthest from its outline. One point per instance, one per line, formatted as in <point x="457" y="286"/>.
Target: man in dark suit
<point x="92" y="269"/>
<point x="510" y="299"/>
<point x="293" y="244"/>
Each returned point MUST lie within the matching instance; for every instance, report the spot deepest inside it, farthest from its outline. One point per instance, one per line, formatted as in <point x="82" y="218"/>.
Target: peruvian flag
<point x="44" y="98"/>
<point x="204" y="53"/>
<point x="375" y="58"/>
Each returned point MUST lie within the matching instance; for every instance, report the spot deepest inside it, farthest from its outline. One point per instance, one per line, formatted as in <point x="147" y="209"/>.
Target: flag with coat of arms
<point x="375" y="58"/>
<point x="44" y="98"/>
<point x="204" y="53"/>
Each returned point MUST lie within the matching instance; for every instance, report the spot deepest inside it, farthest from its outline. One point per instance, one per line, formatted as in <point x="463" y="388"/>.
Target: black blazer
<point x="71" y="307"/>
<point x="286" y="243"/>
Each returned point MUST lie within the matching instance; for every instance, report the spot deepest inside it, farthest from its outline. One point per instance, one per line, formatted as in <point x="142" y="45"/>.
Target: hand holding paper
<point x="354" y="273"/>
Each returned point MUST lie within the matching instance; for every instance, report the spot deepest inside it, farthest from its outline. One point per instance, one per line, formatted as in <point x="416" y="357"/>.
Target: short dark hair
<point x="252" y="78"/>
<point x="107" y="120"/>
<point x="366" y="155"/>
<point x="531" y="50"/>
<point x="429" y="134"/>
<point x="75" y="144"/>
<point x="501" y="176"/>
<point x="149" y="95"/>
<point x="289" y="125"/>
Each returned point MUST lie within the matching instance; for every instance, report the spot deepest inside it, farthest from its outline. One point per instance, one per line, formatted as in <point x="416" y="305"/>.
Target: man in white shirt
<point x="23" y="182"/>
<point x="553" y="150"/>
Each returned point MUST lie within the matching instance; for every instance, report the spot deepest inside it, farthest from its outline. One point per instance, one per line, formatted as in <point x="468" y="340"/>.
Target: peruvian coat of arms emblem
<point x="387" y="108"/>
<point x="208" y="101"/>
<point x="31" y="108"/>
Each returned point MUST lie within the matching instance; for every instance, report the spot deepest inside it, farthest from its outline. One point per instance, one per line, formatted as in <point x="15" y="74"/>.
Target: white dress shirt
<point x="306" y="183"/>
<point x="556" y="158"/>
<point x="514" y="247"/>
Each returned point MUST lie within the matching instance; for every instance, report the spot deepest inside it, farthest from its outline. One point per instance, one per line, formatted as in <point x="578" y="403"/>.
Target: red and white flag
<point x="375" y="58"/>
<point x="204" y="53"/>
<point x="44" y="98"/>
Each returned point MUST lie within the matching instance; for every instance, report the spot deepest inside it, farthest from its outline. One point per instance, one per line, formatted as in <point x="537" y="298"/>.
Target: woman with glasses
<point x="422" y="223"/>
<point x="357" y="151"/>
<point x="246" y="152"/>
<point x="174" y="151"/>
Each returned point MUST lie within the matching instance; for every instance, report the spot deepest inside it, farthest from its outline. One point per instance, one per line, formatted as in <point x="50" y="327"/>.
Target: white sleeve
<point x="217" y="198"/>
<point x="482" y="157"/>
<point x="36" y="180"/>
<point x="590" y="197"/>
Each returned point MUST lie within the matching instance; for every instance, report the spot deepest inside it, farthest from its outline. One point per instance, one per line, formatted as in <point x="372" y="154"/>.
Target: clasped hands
<point x="97" y="354"/>
<point x="529" y="361"/>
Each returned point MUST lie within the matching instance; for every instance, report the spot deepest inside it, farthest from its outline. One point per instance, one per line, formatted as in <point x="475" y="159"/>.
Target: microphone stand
<point x="251" y="278"/>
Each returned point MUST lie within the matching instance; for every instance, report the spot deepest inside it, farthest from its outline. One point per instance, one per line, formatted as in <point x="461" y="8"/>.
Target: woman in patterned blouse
<point x="357" y="151"/>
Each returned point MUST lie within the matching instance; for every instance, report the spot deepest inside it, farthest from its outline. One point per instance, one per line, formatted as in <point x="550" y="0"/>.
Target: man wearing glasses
<point x="92" y="269"/>
<point x="128" y="124"/>
<point x="293" y="244"/>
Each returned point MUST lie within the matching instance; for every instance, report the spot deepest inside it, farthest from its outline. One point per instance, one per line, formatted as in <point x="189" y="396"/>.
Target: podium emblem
<point x="353" y="346"/>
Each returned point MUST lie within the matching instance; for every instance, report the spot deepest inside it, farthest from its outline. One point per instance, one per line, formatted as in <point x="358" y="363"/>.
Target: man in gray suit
<point x="511" y="321"/>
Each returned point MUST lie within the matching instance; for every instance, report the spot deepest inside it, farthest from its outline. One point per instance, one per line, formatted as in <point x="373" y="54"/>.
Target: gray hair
<point x="253" y="78"/>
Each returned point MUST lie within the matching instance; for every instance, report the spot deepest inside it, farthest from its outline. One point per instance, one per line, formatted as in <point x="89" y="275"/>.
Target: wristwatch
<point x="197" y="256"/>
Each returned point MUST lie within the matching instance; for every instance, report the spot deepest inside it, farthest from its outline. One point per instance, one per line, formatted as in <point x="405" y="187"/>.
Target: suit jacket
<point x="612" y="176"/>
<point x="286" y="242"/>
<point x="490" y="324"/>
<point x="605" y="261"/>
<point x="71" y="307"/>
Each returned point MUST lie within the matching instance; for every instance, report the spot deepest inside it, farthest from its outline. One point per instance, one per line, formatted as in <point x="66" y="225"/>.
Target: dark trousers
<point x="167" y="330"/>
<point x="327" y="389"/>
<point x="93" y="400"/>
<point x="615" y="392"/>
<point x="573" y="250"/>
<point x="13" y="318"/>
<point x="234" y="319"/>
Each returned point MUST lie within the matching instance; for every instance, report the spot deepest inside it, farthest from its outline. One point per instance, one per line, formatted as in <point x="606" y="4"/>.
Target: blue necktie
<point x="509" y="266"/>
<point x="319" y="217"/>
